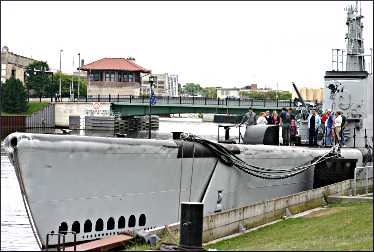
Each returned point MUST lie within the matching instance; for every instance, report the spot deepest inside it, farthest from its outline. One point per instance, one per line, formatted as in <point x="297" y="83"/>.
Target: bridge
<point x="139" y="105"/>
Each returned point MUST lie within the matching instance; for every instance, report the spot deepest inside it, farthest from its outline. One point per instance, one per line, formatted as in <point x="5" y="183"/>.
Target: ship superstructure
<point x="349" y="86"/>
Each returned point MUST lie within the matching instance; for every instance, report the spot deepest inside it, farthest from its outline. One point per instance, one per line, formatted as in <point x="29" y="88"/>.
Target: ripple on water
<point x="16" y="232"/>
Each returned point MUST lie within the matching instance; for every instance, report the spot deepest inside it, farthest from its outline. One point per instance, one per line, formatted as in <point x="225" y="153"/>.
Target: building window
<point x="96" y="76"/>
<point x="131" y="77"/>
<point x="110" y="224"/>
<point x="109" y="76"/>
<point x="121" y="222"/>
<point x="120" y="77"/>
<point x="76" y="227"/>
<point x="87" y="226"/>
<point x="125" y="77"/>
<point x="132" y="221"/>
<point x="99" y="225"/>
<point x="14" y="73"/>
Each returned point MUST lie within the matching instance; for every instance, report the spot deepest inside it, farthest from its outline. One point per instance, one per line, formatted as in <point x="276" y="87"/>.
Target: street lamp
<point x="79" y="71"/>
<point x="151" y="81"/>
<point x="59" y="93"/>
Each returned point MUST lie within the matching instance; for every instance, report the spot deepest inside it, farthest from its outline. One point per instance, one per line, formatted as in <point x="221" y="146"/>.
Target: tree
<point x="192" y="89"/>
<point x="210" y="92"/>
<point x="65" y="85"/>
<point x="13" y="96"/>
<point x="271" y="94"/>
<point x="37" y="78"/>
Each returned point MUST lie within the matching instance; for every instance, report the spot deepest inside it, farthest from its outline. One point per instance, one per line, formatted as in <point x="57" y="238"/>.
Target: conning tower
<point x="349" y="86"/>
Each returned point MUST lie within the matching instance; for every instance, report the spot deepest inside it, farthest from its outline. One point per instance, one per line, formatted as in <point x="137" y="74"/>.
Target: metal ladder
<point x="59" y="244"/>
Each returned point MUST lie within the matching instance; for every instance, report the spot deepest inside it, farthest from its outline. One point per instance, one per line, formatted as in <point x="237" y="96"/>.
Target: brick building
<point x="114" y="76"/>
<point x="13" y="65"/>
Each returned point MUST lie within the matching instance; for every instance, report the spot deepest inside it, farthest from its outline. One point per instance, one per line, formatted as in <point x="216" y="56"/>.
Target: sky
<point x="226" y="44"/>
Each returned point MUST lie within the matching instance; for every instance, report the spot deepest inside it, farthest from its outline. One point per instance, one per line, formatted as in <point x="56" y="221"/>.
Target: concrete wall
<point x="65" y="109"/>
<point x="228" y="222"/>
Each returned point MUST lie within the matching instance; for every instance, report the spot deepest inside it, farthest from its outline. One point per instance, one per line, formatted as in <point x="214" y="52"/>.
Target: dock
<point x="105" y="244"/>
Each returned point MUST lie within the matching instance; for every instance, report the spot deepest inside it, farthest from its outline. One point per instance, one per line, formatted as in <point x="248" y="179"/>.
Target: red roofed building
<point x="114" y="76"/>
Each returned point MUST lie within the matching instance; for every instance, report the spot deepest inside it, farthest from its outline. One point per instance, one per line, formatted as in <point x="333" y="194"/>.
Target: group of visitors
<point x="250" y="118"/>
<point x="285" y="119"/>
<point x="332" y="125"/>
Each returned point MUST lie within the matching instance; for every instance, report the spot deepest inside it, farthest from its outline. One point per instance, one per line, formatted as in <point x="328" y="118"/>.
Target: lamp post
<point x="59" y="92"/>
<point x="79" y="71"/>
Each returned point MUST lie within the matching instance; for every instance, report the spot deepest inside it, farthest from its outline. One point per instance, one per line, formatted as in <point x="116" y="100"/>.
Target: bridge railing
<point x="239" y="102"/>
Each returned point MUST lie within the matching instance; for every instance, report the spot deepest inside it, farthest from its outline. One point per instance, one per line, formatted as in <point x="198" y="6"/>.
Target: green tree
<point x="13" y="96"/>
<point x="271" y="94"/>
<point x="192" y="89"/>
<point x="66" y="83"/>
<point x="210" y="92"/>
<point x="37" y="78"/>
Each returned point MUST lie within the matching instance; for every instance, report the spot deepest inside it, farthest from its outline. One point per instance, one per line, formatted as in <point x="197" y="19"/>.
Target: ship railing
<point x="339" y="56"/>
<point x="59" y="244"/>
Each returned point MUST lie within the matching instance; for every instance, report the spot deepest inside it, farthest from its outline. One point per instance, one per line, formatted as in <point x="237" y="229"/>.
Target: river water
<point x="16" y="232"/>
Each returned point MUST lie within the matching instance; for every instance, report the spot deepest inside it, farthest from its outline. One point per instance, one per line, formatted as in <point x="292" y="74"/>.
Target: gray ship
<point x="98" y="187"/>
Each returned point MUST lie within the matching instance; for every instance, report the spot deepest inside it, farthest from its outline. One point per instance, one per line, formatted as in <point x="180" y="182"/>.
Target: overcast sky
<point x="228" y="44"/>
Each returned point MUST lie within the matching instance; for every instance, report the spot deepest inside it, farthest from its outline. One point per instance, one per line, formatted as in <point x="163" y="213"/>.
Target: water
<point x="16" y="232"/>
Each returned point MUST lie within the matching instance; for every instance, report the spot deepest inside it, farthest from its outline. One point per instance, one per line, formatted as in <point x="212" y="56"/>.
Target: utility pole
<point x="59" y="93"/>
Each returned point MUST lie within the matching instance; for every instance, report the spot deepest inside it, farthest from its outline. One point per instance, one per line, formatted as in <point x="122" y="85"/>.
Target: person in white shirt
<point x="338" y="125"/>
<point x="262" y="119"/>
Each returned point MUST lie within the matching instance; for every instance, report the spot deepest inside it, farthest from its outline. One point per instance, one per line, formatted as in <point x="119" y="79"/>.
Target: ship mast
<point x="354" y="41"/>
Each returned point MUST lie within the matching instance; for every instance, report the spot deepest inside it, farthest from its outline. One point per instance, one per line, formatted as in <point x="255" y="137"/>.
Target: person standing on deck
<point x="275" y="117"/>
<point x="269" y="118"/>
<point x="262" y="119"/>
<point x="328" y="125"/>
<point x="284" y="122"/>
<point x="338" y="126"/>
<point x="314" y="122"/>
<point x="250" y="118"/>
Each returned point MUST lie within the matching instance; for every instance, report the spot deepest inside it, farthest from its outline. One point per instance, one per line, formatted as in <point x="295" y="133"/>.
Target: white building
<point x="222" y="93"/>
<point x="166" y="85"/>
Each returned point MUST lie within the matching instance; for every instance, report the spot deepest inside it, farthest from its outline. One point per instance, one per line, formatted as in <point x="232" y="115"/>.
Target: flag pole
<point x="150" y="105"/>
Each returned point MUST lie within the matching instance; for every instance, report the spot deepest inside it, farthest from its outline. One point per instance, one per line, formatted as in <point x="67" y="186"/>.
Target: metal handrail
<point x="63" y="234"/>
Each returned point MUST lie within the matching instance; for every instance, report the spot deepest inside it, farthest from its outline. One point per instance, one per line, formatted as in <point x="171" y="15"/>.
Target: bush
<point x="13" y="96"/>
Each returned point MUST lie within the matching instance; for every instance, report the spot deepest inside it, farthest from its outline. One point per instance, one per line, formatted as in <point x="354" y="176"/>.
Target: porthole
<point x="76" y="227"/>
<point x="132" y="221"/>
<point x="121" y="222"/>
<point x="99" y="225"/>
<point x="63" y="228"/>
<point x="110" y="224"/>
<point x="142" y="220"/>
<point x="87" y="226"/>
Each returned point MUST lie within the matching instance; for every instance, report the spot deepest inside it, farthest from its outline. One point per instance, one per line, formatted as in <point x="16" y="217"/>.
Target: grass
<point x="31" y="108"/>
<point x="338" y="227"/>
<point x="166" y="237"/>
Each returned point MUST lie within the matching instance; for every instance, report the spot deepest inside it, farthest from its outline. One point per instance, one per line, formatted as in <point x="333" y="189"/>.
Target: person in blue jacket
<point x="328" y="127"/>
